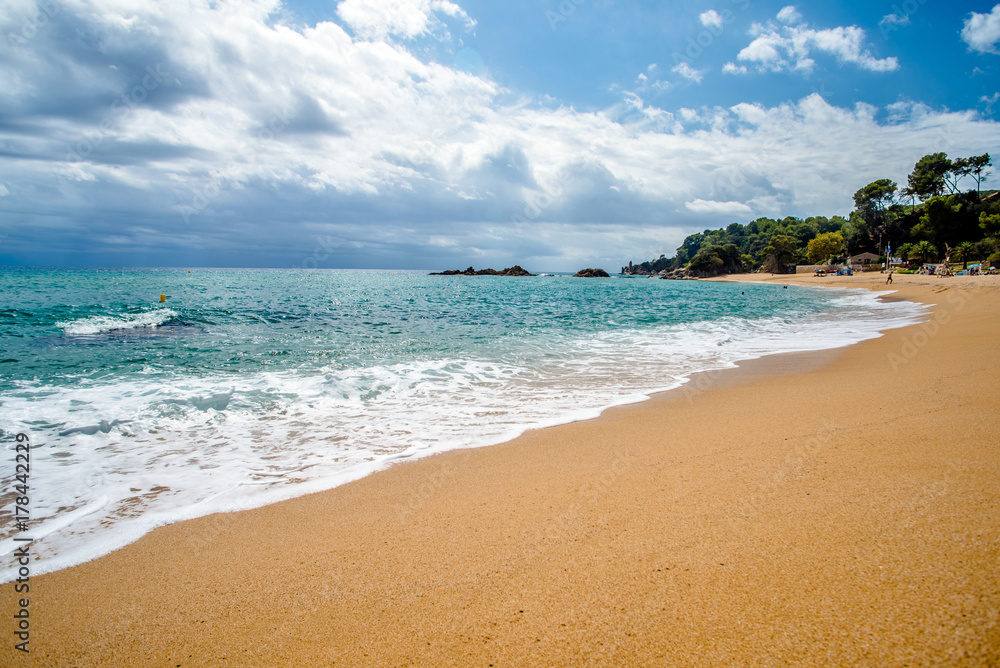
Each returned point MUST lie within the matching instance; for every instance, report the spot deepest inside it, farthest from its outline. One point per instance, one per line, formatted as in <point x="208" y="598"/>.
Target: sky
<point x="432" y="134"/>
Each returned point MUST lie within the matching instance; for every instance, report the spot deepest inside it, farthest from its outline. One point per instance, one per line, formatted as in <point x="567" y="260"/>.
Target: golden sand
<point x="832" y="509"/>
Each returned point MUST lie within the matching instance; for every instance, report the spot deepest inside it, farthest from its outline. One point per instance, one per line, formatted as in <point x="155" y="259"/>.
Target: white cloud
<point x="277" y="136"/>
<point x="733" y="68"/>
<point x="894" y="20"/>
<point x="788" y="48"/>
<point x="982" y="31"/>
<point x="648" y="82"/>
<point x="405" y="18"/>
<point x="710" y="19"/>
<point x="718" y="208"/>
<point x="766" y="50"/>
<point x="688" y="72"/>
<point x="789" y="15"/>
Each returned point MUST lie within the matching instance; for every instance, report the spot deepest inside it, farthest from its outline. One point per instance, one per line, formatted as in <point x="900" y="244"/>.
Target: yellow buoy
<point x="163" y="298"/>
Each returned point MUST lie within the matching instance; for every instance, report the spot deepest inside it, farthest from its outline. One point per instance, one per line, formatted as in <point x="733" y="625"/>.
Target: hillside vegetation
<point x="929" y="219"/>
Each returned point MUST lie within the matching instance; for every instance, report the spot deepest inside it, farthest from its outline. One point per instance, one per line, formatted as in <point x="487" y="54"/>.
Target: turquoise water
<point x="58" y="324"/>
<point x="249" y="386"/>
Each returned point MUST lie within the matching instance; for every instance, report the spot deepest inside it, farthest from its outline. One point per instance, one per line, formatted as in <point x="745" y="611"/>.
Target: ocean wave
<point x="101" y="324"/>
<point x="138" y="451"/>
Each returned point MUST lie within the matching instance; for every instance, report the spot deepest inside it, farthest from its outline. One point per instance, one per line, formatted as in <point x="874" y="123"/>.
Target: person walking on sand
<point x="888" y="280"/>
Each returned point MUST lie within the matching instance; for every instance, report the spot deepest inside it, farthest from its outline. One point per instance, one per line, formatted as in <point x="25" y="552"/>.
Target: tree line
<point x="929" y="219"/>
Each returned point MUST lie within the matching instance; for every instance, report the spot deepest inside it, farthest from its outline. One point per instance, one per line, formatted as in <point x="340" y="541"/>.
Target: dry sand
<point x="832" y="509"/>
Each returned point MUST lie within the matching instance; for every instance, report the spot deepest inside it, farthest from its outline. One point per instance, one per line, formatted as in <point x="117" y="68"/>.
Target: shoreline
<point x="687" y="384"/>
<point x="522" y="552"/>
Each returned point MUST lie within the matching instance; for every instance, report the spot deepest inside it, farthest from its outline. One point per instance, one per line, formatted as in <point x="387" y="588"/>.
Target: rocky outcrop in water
<point x="651" y="268"/>
<point x="591" y="273"/>
<point x="681" y="274"/>
<point x="516" y="270"/>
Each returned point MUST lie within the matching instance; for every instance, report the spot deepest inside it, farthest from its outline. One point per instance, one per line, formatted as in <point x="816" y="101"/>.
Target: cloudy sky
<point x="433" y="134"/>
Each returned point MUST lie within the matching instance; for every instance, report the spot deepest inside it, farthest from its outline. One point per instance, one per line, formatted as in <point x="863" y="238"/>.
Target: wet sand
<point x="840" y="508"/>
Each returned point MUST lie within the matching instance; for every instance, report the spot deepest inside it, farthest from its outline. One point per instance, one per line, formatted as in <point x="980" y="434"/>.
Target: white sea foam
<point x="99" y="324"/>
<point x="201" y="444"/>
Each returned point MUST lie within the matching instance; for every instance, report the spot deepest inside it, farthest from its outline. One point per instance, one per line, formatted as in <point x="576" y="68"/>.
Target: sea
<point x="243" y="387"/>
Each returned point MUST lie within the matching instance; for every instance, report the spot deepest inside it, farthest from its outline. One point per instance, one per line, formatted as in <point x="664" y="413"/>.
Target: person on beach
<point x="888" y="280"/>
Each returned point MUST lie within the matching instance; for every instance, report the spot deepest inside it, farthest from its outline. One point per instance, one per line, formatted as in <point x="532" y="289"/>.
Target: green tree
<point x="715" y="259"/>
<point x="825" y="246"/>
<point x="928" y="176"/>
<point x="872" y="203"/>
<point x="963" y="252"/>
<point x="924" y="250"/>
<point x="874" y="198"/>
<point x="905" y="252"/>
<point x="959" y="168"/>
<point x="910" y="194"/>
<point x="857" y="234"/>
<point x="825" y="224"/>
<point x="693" y="243"/>
<point x="783" y="250"/>
<point x="731" y="255"/>
<point x="948" y="220"/>
<point x="984" y="248"/>
<point x="802" y="231"/>
<point x="990" y="223"/>
<point x="976" y="168"/>
<point x="706" y="261"/>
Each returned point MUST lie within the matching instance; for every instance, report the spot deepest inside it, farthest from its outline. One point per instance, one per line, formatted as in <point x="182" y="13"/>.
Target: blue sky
<point x="434" y="134"/>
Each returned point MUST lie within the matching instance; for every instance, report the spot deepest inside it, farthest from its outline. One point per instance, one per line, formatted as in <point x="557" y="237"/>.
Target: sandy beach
<point x="838" y="508"/>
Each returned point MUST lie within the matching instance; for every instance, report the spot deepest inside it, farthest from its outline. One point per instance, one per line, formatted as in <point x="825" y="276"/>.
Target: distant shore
<point x="837" y="508"/>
